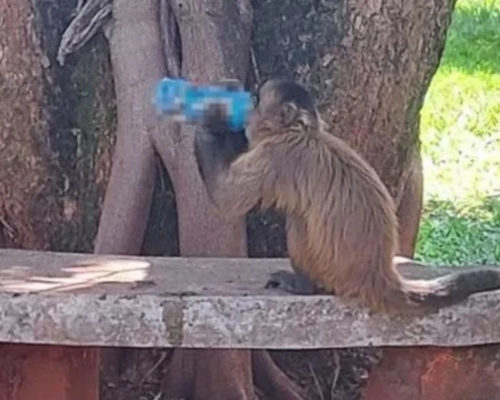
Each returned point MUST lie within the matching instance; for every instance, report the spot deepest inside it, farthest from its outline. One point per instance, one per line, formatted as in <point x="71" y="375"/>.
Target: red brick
<point x="424" y="373"/>
<point x="29" y="372"/>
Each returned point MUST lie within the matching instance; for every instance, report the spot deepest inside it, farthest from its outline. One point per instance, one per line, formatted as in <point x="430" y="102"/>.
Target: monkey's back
<point x="344" y="214"/>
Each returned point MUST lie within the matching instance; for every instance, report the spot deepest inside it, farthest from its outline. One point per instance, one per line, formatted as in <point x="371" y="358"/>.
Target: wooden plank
<point x="88" y="300"/>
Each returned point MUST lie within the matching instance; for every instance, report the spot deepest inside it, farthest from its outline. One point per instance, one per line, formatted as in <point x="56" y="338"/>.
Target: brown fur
<point x="342" y="226"/>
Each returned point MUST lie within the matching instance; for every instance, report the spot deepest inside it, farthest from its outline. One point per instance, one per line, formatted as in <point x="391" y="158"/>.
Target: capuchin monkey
<point x="341" y="221"/>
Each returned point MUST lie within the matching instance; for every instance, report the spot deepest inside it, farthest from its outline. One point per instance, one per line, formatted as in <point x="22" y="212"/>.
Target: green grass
<point x="460" y="133"/>
<point x="456" y="236"/>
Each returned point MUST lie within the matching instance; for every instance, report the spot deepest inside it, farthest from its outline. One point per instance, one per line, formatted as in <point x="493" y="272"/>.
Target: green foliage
<point x="454" y="236"/>
<point x="460" y="133"/>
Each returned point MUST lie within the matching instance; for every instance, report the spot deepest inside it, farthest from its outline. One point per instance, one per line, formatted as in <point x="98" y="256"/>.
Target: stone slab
<point x="89" y="300"/>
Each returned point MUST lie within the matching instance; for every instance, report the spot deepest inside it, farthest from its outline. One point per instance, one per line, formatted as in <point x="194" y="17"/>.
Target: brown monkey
<point x="341" y="221"/>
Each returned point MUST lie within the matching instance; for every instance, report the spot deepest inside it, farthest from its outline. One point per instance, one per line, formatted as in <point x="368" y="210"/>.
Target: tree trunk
<point x="54" y="146"/>
<point x="208" y="53"/>
<point x="367" y="63"/>
<point x="56" y="131"/>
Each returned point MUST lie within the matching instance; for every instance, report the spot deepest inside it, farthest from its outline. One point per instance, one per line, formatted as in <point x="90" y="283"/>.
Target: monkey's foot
<point x="292" y="283"/>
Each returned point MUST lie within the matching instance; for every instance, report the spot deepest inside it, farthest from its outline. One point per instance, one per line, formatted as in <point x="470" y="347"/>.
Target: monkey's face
<point x="282" y="105"/>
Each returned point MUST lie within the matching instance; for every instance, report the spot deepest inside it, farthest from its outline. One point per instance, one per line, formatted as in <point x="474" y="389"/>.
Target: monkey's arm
<point x="233" y="176"/>
<point x="215" y="145"/>
<point x="233" y="186"/>
<point x="215" y="150"/>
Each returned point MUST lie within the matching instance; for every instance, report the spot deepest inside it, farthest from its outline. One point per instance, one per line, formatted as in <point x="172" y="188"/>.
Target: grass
<point x="456" y="236"/>
<point x="460" y="133"/>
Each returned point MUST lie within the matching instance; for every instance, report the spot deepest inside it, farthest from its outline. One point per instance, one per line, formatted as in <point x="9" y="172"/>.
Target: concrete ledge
<point x="88" y="300"/>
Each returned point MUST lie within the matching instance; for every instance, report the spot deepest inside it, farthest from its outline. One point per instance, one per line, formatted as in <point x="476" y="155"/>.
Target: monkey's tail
<point x="430" y="295"/>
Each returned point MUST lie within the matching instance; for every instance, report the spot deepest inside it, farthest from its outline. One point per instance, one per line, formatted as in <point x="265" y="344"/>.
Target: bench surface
<point x="89" y="300"/>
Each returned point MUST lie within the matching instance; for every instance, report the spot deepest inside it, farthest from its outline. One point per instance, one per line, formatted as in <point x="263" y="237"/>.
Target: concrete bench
<point x="57" y="301"/>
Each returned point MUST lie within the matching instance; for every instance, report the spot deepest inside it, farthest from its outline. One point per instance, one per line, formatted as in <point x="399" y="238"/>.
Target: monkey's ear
<point x="288" y="114"/>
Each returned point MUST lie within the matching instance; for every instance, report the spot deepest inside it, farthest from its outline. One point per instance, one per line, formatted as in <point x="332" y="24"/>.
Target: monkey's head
<point x="282" y="106"/>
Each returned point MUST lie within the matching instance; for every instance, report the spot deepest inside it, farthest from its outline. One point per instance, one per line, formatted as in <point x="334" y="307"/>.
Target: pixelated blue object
<point x="185" y="102"/>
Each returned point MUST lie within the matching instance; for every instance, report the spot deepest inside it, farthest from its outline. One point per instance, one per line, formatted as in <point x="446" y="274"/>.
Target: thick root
<point x="271" y="380"/>
<point x="225" y="375"/>
<point x="209" y="375"/>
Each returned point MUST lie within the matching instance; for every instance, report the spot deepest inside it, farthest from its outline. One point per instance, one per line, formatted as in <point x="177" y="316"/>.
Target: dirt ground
<point x="325" y="374"/>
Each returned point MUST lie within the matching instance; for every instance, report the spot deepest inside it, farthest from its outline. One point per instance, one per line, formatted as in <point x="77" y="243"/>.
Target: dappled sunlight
<point x="468" y="171"/>
<point x="19" y="278"/>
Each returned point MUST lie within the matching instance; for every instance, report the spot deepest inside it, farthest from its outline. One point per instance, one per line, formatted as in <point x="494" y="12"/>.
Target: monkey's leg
<point x="234" y="187"/>
<point x="295" y="282"/>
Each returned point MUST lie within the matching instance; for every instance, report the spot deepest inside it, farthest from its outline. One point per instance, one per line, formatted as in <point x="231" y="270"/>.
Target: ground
<point x="460" y="134"/>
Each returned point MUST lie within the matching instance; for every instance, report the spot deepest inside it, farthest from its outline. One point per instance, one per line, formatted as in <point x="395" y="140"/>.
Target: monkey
<point x="341" y="224"/>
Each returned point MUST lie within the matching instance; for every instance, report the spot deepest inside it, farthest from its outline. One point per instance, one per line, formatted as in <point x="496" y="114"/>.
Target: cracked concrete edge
<point x="274" y="322"/>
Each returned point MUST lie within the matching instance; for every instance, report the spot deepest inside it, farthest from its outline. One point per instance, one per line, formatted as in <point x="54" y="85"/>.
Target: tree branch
<point x="90" y="17"/>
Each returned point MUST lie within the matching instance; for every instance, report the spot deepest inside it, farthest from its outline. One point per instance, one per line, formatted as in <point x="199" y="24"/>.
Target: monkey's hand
<point x="215" y="146"/>
<point x="294" y="283"/>
<point x="214" y="120"/>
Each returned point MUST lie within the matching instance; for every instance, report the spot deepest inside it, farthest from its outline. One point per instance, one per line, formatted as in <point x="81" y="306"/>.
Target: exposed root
<point x="191" y="375"/>
<point x="154" y="367"/>
<point x="271" y="380"/>
<point x="336" y="374"/>
<point x="316" y="381"/>
<point x="89" y="18"/>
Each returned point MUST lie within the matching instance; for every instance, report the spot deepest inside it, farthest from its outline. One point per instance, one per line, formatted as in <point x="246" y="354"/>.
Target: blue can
<point x="183" y="101"/>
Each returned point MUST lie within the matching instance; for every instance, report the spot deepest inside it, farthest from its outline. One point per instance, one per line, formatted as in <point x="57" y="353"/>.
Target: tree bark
<point x="124" y="215"/>
<point x="54" y="147"/>
<point x="369" y="66"/>
<point x="24" y="135"/>
<point x="209" y="52"/>
<point x="55" y="131"/>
